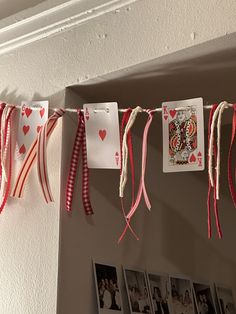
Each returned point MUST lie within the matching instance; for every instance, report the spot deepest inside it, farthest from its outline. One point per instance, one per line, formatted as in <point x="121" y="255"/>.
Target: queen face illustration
<point x="180" y="116"/>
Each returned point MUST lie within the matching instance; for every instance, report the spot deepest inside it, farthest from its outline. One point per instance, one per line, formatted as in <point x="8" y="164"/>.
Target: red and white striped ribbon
<point x="6" y="153"/>
<point x="39" y="144"/>
<point x="2" y="106"/>
<point x="79" y="144"/>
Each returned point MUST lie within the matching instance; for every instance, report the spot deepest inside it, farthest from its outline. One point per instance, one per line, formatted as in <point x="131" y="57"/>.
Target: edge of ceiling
<point x="49" y="18"/>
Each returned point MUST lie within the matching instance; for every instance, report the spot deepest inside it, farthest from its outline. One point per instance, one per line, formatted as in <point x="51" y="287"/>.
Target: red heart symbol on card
<point x="199" y="154"/>
<point x="28" y="112"/>
<point x="165" y="116"/>
<point x="42" y="111"/>
<point x="22" y="150"/>
<point x="192" y="158"/>
<point x="39" y="127"/>
<point x="102" y="134"/>
<point x="26" y="129"/>
<point x="172" y="113"/>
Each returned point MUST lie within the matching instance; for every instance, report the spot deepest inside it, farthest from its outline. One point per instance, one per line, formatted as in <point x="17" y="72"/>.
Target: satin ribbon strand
<point x="7" y="164"/>
<point x="124" y="122"/>
<point x="142" y="187"/>
<point x="230" y="177"/>
<point x="31" y="156"/>
<point x="42" y="155"/>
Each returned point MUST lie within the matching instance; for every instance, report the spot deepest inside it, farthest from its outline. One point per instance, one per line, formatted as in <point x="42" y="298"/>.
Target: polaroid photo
<point x="137" y="290"/>
<point x="181" y="295"/>
<point x="159" y="286"/>
<point x="107" y="288"/>
<point x="204" y="298"/>
<point x="225" y="299"/>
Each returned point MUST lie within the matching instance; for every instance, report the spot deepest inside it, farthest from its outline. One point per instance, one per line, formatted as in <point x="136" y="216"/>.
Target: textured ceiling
<point x="8" y="8"/>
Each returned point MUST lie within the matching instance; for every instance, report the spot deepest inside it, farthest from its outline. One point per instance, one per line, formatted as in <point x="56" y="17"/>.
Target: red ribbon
<point x="124" y="121"/>
<point x="79" y="143"/>
<point x="230" y="177"/>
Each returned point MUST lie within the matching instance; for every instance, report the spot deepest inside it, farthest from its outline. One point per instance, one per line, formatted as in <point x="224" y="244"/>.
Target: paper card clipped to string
<point x="102" y="135"/>
<point x="183" y="135"/>
<point x="33" y="115"/>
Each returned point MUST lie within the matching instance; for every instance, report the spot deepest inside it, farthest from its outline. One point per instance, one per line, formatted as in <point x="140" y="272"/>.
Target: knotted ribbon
<point x="79" y="144"/>
<point x="38" y="150"/>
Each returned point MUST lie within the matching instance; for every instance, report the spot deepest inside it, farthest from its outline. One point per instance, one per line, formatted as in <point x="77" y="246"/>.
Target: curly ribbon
<point x="230" y="177"/>
<point x="213" y="156"/>
<point x="79" y="143"/>
<point x="6" y="152"/>
<point x="38" y="150"/>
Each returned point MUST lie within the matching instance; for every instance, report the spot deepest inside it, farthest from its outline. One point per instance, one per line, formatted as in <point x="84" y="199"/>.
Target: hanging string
<point x="30" y="158"/>
<point x="79" y="144"/>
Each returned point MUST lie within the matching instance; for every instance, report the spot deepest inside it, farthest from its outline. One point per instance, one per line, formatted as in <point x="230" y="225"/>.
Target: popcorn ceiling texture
<point x="29" y="229"/>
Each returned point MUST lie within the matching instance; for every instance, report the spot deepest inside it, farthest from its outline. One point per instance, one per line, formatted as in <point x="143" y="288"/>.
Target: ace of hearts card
<point x="183" y="135"/>
<point x="102" y="135"/>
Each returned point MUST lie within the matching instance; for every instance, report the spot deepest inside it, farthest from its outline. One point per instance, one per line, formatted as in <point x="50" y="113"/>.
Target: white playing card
<point x="183" y="135"/>
<point x="33" y="115"/>
<point x="102" y="135"/>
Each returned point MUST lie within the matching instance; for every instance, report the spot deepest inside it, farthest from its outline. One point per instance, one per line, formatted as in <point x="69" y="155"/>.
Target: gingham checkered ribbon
<point x="79" y="144"/>
<point x="6" y="153"/>
<point x="38" y="147"/>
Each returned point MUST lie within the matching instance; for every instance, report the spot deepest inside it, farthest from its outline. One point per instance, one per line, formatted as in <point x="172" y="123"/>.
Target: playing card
<point x="33" y="115"/>
<point x="183" y="135"/>
<point x="102" y="135"/>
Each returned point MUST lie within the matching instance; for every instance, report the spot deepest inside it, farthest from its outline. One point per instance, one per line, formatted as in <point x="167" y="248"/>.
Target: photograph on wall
<point x="226" y="300"/>
<point x="137" y="290"/>
<point x="107" y="288"/>
<point x="181" y="295"/>
<point x="204" y="298"/>
<point x="159" y="285"/>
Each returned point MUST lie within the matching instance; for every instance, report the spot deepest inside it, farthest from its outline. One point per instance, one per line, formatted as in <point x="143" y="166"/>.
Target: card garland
<point x="183" y="150"/>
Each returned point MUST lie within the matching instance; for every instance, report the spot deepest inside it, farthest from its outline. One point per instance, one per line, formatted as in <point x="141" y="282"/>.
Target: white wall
<point x="29" y="230"/>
